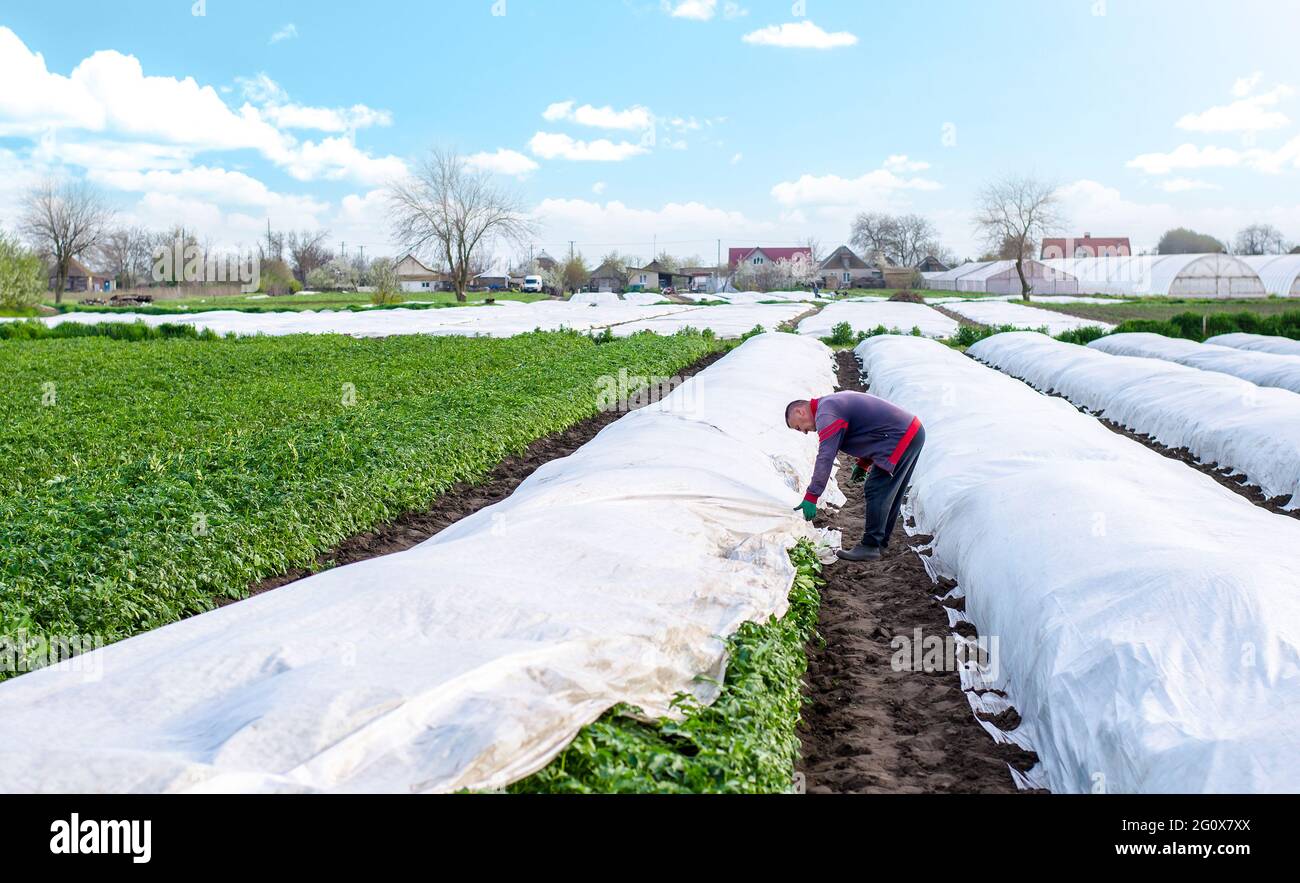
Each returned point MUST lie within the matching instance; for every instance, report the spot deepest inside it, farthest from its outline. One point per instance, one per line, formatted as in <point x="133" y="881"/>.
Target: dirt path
<point x="868" y="728"/>
<point x="461" y="501"/>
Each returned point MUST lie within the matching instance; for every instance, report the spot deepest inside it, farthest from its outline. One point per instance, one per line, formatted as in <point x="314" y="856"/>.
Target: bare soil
<point x="461" y="501"/>
<point x="866" y="727"/>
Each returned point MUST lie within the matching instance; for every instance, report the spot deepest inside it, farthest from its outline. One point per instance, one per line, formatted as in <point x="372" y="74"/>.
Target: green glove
<point x="859" y="474"/>
<point x="808" y="508"/>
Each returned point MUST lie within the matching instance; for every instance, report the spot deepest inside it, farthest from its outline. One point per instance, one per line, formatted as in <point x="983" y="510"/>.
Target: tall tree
<point x="64" y="221"/>
<point x="1180" y="240"/>
<point x="1014" y="214"/>
<point x="127" y="253"/>
<point x="307" y="251"/>
<point x="900" y="240"/>
<point x="1260" y="239"/>
<point x="456" y="212"/>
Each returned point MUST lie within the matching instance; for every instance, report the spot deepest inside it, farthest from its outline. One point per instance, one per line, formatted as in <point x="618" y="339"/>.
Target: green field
<point x="141" y="481"/>
<point x="1161" y="309"/>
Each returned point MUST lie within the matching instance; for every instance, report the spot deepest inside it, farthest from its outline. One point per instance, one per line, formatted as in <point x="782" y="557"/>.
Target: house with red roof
<point x="1088" y="246"/>
<point x="754" y="258"/>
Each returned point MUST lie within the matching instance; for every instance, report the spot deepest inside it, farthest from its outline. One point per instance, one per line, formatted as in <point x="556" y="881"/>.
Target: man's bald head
<point x="799" y="416"/>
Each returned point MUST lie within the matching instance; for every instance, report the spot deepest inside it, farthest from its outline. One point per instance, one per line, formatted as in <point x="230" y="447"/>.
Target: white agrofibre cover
<point x="1222" y="420"/>
<point x="1263" y="369"/>
<point x="472" y="659"/>
<point x="868" y="316"/>
<point x="726" y="321"/>
<point x="996" y="313"/>
<point x="504" y="319"/>
<point x="1259" y="343"/>
<point x="1127" y="591"/>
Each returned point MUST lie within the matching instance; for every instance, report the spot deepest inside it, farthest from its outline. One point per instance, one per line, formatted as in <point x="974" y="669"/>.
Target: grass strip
<point x="744" y="743"/>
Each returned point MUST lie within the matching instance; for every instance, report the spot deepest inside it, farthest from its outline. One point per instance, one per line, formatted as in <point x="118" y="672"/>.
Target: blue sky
<point x="620" y="121"/>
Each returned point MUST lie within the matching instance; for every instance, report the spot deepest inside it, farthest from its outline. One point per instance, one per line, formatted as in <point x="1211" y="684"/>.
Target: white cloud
<point x="503" y="162"/>
<point x="1190" y="156"/>
<point x="1184" y="185"/>
<point x="695" y="10"/>
<point x="599" y="187"/>
<point x="800" y="35"/>
<point x="273" y="103"/>
<point x="1247" y="114"/>
<point x="560" y="110"/>
<point x="111" y="155"/>
<point x="736" y="158"/>
<point x="879" y="188"/>
<point x="1245" y="85"/>
<point x="1186" y="156"/>
<point x="339" y="158"/>
<point x="288" y="32"/>
<point x="902" y="165"/>
<point x="632" y="119"/>
<point x="108" y="94"/>
<point x="551" y="145"/>
<point x="1091" y="205"/>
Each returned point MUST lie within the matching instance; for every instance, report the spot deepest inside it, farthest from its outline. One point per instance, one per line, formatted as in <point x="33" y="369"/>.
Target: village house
<point x="844" y="269"/>
<point x="415" y="277"/>
<point x="741" y="259"/>
<point x="607" y="277"/>
<point x="655" y="277"/>
<point x="82" y="279"/>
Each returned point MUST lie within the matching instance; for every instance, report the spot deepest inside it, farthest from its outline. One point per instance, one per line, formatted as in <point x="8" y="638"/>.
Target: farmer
<point x="887" y="442"/>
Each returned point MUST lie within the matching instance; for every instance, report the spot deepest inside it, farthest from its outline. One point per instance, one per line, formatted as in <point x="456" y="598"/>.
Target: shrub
<point x="22" y="277"/>
<point x="841" y="335"/>
<point x="1082" y="336"/>
<point x="277" y="280"/>
<point x="387" y="285"/>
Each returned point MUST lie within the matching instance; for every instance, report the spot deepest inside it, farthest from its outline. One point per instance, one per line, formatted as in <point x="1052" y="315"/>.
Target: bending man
<point x="884" y="438"/>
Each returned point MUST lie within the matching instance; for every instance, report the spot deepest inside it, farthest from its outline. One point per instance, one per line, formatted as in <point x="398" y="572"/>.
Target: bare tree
<point x="307" y="251"/>
<point x="900" y="240"/>
<point x="63" y="222"/>
<point x="456" y="212"/>
<point x="871" y="235"/>
<point x="1014" y="214"/>
<point x="1260" y="239"/>
<point x="127" y="253"/>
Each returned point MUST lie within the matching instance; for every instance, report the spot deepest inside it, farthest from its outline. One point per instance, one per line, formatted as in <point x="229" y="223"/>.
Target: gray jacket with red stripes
<point x="875" y="431"/>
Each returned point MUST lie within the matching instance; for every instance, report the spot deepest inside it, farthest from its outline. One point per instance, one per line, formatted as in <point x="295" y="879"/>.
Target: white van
<point x="533" y="284"/>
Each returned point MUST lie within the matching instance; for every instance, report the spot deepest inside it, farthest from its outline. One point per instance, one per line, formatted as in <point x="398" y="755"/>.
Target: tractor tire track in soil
<point x="460" y="501"/>
<point x="867" y="728"/>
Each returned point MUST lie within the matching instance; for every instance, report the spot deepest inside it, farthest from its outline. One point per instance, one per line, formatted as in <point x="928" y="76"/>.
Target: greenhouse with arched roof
<point x="1173" y="275"/>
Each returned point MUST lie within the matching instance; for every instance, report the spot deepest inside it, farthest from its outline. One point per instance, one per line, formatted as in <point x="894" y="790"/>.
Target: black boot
<point x="860" y="552"/>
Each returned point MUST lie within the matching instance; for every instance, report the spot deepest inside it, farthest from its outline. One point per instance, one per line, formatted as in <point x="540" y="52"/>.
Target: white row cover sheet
<point x="1148" y="618"/>
<point x="749" y="298"/>
<point x="727" y="321"/>
<point x="1259" y="343"/>
<point x="500" y="320"/>
<point x="995" y="314"/>
<point x="1261" y="368"/>
<point x="870" y="315"/>
<point x="504" y="319"/>
<point x="472" y="659"/>
<point x="1036" y="298"/>
<point x="1222" y="420"/>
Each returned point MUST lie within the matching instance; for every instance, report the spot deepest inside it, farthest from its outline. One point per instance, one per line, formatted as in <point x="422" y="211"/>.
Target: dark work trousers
<point x="884" y="494"/>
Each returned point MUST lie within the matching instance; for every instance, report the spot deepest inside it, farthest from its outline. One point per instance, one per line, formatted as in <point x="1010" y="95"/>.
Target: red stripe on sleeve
<point x="835" y="427"/>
